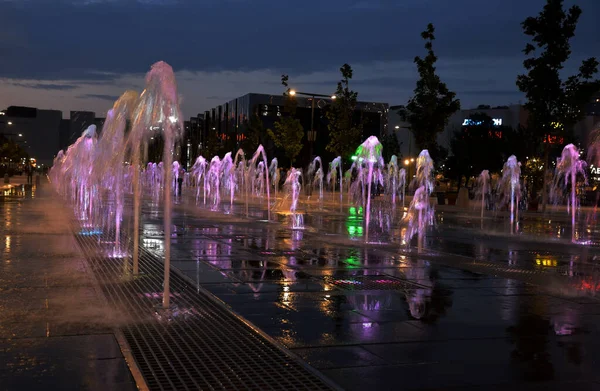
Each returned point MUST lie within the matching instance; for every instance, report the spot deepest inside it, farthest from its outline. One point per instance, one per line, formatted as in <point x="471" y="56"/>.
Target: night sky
<point x="82" y="54"/>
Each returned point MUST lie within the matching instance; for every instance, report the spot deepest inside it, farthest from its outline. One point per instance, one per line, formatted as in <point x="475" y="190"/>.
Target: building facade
<point x="36" y="131"/>
<point x="230" y="120"/>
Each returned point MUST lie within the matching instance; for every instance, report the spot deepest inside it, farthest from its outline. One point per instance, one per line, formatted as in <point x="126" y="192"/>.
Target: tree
<point x="554" y="105"/>
<point x="288" y="133"/>
<point x="479" y="146"/>
<point x="253" y="134"/>
<point x="345" y="134"/>
<point x="391" y="146"/>
<point x="433" y="103"/>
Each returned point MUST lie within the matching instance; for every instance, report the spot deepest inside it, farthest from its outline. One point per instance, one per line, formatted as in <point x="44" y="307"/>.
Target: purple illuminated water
<point x="420" y="212"/>
<point x="335" y="172"/>
<point x="568" y="166"/>
<point x="368" y="153"/>
<point x="509" y="188"/>
<point x="483" y="188"/>
<point x="293" y="187"/>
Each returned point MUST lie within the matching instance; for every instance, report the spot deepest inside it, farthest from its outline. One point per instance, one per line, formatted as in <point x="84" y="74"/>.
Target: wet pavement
<point x="487" y="311"/>
<point x="55" y="330"/>
<point x="478" y="310"/>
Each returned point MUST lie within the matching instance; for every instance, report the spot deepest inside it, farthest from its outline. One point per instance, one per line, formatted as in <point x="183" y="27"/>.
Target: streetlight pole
<point x="312" y="133"/>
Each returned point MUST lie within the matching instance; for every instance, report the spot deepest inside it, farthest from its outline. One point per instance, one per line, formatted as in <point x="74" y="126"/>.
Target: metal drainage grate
<point x="369" y="283"/>
<point x="204" y="346"/>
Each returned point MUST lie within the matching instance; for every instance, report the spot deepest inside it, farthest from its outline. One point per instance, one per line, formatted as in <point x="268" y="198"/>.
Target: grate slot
<point x="205" y="347"/>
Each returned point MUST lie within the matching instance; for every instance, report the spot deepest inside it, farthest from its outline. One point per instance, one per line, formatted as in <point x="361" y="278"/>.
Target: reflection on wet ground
<point x="473" y="312"/>
<point x="55" y="332"/>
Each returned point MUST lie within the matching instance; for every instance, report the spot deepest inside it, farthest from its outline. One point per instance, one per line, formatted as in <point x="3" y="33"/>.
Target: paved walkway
<point x="371" y="318"/>
<point x="55" y="331"/>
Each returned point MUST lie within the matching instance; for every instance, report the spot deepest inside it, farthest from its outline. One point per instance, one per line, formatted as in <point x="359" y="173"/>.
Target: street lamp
<point x="10" y="123"/>
<point x="20" y="134"/>
<point x="312" y="133"/>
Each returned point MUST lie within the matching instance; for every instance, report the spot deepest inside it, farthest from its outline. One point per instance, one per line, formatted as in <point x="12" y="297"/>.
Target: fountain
<point x="274" y="173"/>
<point x="370" y="152"/>
<point x="420" y="212"/>
<point x="391" y="181"/>
<point x="293" y="188"/>
<point x="157" y="109"/>
<point x="567" y="168"/>
<point x="199" y="172"/>
<point x="317" y="175"/>
<point x="239" y="163"/>
<point x="213" y="182"/>
<point x="335" y="171"/>
<point x="176" y="168"/>
<point x="402" y="184"/>
<point x="483" y="188"/>
<point x="260" y="151"/>
<point x="509" y="187"/>
<point x="228" y="169"/>
<point x="111" y="152"/>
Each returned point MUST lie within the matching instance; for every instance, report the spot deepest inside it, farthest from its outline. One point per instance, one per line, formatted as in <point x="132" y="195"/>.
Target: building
<point x="593" y="108"/>
<point x="401" y="129"/>
<point x="512" y="116"/>
<point x="192" y="141"/>
<point x="36" y="130"/>
<point x="230" y="119"/>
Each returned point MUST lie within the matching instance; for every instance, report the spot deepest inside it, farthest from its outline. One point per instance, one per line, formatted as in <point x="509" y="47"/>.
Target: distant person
<point x="29" y="174"/>
<point x="180" y="181"/>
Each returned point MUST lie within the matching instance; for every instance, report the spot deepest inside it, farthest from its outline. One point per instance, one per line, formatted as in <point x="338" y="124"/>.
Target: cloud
<point x="107" y="97"/>
<point x="45" y="86"/>
<point x="276" y="37"/>
<point x="390" y="82"/>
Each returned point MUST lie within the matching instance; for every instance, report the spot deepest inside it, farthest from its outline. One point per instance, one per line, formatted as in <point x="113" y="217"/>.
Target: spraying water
<point x="420" y="211"/>
<point x="293" y="188"/>
<point x="392" y="179"/>
<point x="260" y="151"/>
<point x="567" y="168"/>
<point x="157" y="109"/>
<point x="509" y="187"/>
<point x="335" y="172"/>
<point x="229" y="175"/>
<point x="370" y="152"/>
<point x="199" y="173"/>
<point x="316" y="172"/>
<point x="483" y="188"/>
<point x="111" y="152"/>
<point x="402" y="184"/>
<point x="274" y="173"/>
<point x="214" y="181"/>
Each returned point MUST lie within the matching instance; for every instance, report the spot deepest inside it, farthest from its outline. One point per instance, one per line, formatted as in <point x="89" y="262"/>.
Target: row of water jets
<point x="97" y="173"/>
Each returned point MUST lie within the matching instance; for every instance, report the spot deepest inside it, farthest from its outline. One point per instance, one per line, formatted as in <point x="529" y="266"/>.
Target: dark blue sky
<point x="80" y="54"/>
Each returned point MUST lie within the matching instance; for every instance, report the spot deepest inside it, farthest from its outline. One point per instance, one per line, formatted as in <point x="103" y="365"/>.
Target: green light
<point x="354" y="158"/>
<point x="352" y="262"/>
<point x="360" y="210"/>
<point x="352" y="211"/>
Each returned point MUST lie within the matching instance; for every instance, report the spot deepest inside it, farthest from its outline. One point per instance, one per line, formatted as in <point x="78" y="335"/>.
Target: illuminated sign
<point x="595" y="170"/>
<point x="553" y="139"/>
<point x="470" y="122"/>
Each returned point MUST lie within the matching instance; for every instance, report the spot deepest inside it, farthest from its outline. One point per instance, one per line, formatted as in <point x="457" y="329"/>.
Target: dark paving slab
<point x="467" y="316"/>
<point x="55" y="332"/>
